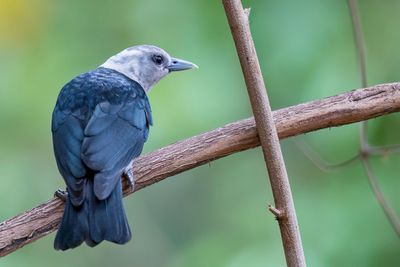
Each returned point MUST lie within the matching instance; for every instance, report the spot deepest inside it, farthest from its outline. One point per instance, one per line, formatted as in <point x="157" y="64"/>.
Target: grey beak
<point x="180" y="64"/>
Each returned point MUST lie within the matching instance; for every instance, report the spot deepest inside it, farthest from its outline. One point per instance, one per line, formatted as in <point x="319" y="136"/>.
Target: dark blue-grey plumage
<point x="100" y="123"/>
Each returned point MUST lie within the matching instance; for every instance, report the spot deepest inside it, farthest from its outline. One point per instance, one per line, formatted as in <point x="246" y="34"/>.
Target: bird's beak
<point x="180" y="64"/>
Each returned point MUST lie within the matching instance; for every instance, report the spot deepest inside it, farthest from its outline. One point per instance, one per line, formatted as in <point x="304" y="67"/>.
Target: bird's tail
<point x="93" y="221"/>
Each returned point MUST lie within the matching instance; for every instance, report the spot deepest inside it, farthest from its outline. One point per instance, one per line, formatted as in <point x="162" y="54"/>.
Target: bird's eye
<point x="158" y="59"/>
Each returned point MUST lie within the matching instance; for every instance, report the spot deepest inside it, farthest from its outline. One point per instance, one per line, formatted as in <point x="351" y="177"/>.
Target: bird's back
<point x="80" y="96"/>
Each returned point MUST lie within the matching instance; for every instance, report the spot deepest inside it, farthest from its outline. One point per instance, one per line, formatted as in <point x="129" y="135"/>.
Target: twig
<point x="350" y="107"/>
<point x="318" y="160"/>
<point x="386" y="207"/>
<point x="290" y="233"/>
<point x="365" y="149"/>
<point x="275" y="211"/>
<point x="360" y="49"/>
<point x="326" y="166"/>
<point x="384" y="150"/>
<point x="359" y="40"/>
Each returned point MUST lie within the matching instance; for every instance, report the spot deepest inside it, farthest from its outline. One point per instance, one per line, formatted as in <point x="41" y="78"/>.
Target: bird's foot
<point x="131" y="177"/>
<point x="61" y="194"/>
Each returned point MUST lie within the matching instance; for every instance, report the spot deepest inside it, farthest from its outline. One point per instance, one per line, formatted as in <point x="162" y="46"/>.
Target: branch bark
<point x="349" y="107"/>
<point x="287" y="220"/>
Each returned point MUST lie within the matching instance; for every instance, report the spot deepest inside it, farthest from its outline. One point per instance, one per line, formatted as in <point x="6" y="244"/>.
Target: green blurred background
<point x="214" y="215"/>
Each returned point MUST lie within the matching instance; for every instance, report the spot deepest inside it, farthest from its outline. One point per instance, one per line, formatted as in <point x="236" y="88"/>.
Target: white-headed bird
<point x="100" y="123"/>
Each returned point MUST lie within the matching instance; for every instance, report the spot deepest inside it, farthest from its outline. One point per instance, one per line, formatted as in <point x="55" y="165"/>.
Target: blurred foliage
<point x="214" y="215"/>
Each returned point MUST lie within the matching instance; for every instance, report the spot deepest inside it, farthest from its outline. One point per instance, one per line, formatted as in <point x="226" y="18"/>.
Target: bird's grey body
<point x="100" y="123"/>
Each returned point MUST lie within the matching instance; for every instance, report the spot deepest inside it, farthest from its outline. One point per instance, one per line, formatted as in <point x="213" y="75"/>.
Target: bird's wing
<point x="99" y="124"/>
<point x="113" y="136"/>
<point x="67" y="140"/>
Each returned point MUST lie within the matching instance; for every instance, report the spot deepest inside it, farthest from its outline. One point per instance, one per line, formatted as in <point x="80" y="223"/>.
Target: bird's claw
<point x="61" y="194"/>
<point x="131" y="177"/>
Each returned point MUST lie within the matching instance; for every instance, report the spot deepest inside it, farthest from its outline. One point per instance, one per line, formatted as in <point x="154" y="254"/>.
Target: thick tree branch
<point x="350" y="107"/>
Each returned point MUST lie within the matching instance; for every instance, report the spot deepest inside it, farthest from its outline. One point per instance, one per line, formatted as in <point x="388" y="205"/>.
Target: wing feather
<point x="67" y="139"/>
<point x="109" y="149"/>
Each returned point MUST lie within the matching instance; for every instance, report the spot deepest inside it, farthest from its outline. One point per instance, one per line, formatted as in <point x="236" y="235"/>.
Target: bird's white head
<point x="146" y="64"/>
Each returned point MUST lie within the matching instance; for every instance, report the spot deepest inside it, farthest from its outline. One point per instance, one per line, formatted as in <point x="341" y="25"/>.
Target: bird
<point x="100" y="123"/>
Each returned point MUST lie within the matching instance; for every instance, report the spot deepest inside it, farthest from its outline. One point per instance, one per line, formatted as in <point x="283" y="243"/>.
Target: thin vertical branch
<point x="364" y="145"/>
<point x="285" y="210"/>
<point x="360" y="49"/>
<point x="359" y="40"/>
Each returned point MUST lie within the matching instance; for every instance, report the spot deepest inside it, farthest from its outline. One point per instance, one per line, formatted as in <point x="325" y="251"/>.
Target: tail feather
<point x="93" y="221"/>
<point x="107" y="219"/>
<point x="73" y="228"/>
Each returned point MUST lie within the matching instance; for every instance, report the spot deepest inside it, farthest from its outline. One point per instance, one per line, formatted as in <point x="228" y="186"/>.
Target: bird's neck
<point x="128" y="71"/>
